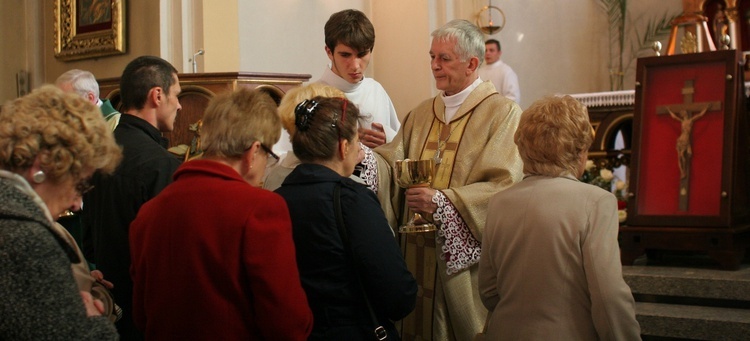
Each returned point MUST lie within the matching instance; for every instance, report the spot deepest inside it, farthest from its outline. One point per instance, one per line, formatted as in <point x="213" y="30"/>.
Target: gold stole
<point x="420" y="248"/>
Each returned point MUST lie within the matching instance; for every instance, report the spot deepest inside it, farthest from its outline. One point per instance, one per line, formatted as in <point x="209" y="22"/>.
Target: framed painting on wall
<point x="89" y="28"/>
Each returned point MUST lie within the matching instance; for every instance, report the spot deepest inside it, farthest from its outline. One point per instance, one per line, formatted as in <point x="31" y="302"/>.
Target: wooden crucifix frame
<point x="686" y="113"/>
<point x="686" y="173"/>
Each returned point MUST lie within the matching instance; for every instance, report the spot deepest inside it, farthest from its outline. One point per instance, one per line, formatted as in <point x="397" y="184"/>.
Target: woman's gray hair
<point x="469" y="39"/>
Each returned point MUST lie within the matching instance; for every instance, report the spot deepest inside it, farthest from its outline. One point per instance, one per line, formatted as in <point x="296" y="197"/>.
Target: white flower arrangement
<point x="605" y="179"/>
<point x="602" y="179"/>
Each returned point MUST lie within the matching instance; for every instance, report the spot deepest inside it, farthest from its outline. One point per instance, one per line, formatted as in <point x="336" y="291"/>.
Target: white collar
<point x="453" y="102"/>
<point x="498" y="63"/>
<point x="331" y="78"/>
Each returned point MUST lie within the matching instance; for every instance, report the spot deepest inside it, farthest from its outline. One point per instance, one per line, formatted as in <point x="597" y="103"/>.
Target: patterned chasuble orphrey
<point x="420" y="248"/>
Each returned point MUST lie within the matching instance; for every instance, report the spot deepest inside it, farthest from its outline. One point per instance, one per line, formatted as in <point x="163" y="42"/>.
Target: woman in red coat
<point x="212" y="255"/>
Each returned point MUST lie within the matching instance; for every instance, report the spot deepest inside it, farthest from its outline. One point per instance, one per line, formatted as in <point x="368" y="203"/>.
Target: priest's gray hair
<point x="81" y="81"/>
<point x="553" y="135"/>
<point x="469" y="39"/>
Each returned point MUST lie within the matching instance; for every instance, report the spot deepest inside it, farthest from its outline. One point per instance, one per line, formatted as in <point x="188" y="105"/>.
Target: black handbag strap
<point x="380" y="333"/>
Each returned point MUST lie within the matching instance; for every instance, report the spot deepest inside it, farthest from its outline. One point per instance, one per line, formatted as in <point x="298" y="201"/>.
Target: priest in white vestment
<point x="468" y="130"/>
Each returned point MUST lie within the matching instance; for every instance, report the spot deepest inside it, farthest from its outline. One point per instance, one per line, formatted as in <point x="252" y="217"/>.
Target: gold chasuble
<point x="475" y="158"/>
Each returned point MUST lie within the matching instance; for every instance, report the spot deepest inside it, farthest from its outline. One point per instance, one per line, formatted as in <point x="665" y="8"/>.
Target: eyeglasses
<point x="84" y="186"/>
<point x="275" y="157"/>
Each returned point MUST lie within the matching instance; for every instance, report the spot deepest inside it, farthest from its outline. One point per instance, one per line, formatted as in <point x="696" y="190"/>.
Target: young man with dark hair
<point x="149" y="88"/>
<point x="499" y="73"/>
<point x="350" y="38"/>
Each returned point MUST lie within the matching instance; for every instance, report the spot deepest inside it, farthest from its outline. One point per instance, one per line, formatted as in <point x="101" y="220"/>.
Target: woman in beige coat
<point x="550" y="265"/>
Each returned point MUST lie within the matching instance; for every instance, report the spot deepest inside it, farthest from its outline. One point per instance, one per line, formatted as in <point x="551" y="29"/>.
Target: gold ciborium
<point x="410" y="174"/>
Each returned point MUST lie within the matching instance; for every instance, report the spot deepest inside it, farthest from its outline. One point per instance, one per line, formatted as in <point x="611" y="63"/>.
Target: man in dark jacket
<point x="148" y="88"/>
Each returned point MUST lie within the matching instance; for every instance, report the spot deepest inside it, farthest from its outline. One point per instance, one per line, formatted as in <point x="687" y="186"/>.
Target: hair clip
<point x="335" y="118"/>
<point x="303" y="114"/>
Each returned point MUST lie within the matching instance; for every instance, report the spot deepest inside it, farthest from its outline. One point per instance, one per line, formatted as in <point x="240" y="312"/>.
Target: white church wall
<point x="562" y="46"/>
<point x="402" y="60"/>
<point x="554" y="46"/>
<point x="287" y="35"/>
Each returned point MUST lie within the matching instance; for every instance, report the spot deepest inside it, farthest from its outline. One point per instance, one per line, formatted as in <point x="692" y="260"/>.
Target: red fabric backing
<point x="658" y="180"/>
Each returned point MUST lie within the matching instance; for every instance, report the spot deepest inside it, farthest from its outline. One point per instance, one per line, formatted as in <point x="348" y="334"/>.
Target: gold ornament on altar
<point x="410" y="174"/>
<point x="689" y="44"/>
<point x="485" y="19"/>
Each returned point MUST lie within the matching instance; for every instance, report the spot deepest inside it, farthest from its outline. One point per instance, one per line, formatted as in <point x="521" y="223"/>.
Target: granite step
<point x="690" y="299"/>
<point x="689" y="282"/>
<point x="692" y="322"/>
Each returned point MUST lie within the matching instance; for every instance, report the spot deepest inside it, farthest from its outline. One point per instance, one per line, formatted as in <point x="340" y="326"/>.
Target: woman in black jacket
<point x="335" y="279"/>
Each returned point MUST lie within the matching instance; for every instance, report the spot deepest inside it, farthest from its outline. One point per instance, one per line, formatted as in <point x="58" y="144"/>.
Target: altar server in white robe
<point x="500" y="74"/>
<point x="350" y="38"/>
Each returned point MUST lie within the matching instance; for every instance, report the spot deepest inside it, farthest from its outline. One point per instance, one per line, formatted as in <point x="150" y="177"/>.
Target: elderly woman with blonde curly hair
<point x="550" y="265"/>
<point x="50" y="144"/>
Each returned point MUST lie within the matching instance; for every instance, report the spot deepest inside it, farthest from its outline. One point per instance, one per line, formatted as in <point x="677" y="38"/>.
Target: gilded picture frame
<point x="89" y="28"/>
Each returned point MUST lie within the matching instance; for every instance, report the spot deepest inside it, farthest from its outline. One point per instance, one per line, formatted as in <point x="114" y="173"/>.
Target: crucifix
<point x="442" y="143"/>
<point x="686" y="113"/>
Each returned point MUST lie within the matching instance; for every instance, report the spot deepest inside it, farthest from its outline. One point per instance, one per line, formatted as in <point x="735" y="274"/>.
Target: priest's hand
<point x="372" y="137"/>
<point x="419" y="199"/>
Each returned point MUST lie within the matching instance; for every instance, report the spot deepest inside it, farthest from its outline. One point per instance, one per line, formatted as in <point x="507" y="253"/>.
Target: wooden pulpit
<point x="199" y="88"/>
<point x="690" y="159"/>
